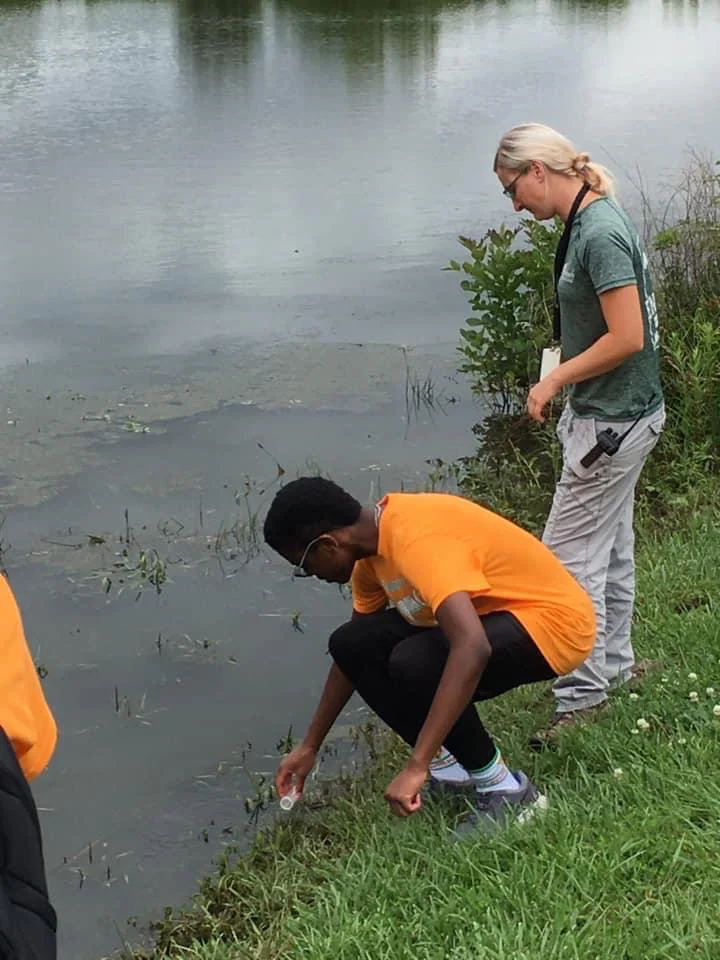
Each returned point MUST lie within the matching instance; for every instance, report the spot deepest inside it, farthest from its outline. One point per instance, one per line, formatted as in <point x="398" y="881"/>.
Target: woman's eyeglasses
<point x="509" y="190"/>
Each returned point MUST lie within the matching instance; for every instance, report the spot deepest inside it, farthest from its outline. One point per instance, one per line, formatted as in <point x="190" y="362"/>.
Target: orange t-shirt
<point x="431" y="545"/>
<point x="24" y="715"/>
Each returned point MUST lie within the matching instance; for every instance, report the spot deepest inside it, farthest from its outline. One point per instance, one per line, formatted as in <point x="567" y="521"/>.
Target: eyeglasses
<point x="509" y="190"/>
<point x="299" y="569"/>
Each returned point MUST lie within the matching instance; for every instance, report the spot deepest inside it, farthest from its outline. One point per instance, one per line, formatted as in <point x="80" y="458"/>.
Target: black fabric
<point x="561" y="254"/>
<point x="396" y="668"/>
<point x="28" y="923"/>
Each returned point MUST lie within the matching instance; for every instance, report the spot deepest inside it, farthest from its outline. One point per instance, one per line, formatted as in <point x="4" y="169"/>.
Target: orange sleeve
<point x="25" y="715"/>
<point x="438" y="566"/>
<point x="368" y="595"/>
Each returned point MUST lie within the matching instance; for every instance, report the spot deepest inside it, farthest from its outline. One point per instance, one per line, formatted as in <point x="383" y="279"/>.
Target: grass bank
<point x="624" y="863"/>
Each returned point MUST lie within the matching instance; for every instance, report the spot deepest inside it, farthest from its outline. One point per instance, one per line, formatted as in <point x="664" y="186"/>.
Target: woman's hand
<point x="541" y="395"/>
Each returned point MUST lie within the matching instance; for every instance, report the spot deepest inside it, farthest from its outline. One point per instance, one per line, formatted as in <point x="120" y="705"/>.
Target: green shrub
<point x="509" y="279"/>
<point x="684" y="241"/>
<point x="677" y="474"/>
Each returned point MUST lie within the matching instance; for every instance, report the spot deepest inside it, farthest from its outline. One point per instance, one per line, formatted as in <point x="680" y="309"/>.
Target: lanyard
<point x="560" y="255"/>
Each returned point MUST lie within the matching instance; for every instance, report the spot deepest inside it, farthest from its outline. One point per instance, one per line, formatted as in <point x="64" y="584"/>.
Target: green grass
<point x="623" y="865"/>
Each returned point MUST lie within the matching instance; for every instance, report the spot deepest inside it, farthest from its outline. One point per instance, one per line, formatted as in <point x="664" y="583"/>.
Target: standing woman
<point x="608" y="329"/>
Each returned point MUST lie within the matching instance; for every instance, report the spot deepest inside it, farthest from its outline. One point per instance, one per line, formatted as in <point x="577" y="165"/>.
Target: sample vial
<point x="288" y="801"/>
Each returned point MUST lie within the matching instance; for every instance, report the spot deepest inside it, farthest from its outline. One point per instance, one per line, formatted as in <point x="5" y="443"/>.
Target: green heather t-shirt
<point x="605" y="253"/>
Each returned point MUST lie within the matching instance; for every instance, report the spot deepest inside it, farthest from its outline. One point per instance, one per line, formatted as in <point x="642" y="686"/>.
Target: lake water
<point x="220" y="224"/>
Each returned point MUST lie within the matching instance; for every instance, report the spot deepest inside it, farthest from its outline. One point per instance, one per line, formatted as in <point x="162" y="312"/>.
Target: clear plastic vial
<point x="289" y="800"/>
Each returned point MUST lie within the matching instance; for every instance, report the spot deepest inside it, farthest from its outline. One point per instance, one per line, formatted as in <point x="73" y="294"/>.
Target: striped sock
<point x="494" y="777"/>
<point x="445" y="768"/>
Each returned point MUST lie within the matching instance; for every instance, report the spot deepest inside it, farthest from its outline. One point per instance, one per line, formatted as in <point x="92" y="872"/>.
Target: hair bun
<point x="580" y="162"/>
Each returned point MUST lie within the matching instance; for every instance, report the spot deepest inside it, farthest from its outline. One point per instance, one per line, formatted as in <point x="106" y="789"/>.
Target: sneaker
<point x="495" y="809"/>
<point x="572" y="718"/>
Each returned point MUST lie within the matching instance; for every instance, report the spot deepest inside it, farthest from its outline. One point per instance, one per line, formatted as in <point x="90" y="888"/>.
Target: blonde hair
<point x="536" y="141"/>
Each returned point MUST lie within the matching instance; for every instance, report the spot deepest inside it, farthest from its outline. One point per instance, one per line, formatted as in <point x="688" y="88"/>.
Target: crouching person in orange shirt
<point x="452" y="604"/>
<point x="27" y="741"/>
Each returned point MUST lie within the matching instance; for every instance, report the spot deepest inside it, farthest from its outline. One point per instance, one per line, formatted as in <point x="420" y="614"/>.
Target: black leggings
<point x="396" y="668"/>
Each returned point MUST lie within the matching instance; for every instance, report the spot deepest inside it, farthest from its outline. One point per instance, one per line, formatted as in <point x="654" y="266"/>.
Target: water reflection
<point x="383" y="9"/>
<point x="19" y="4"/>
<point x="590" y="5"/>
<point x="375" y="35"/>
<point x="371" y="35"/>
<point x="681" y="11"/>
<point x="216" y="34"/>
<point x="597" y="11"/>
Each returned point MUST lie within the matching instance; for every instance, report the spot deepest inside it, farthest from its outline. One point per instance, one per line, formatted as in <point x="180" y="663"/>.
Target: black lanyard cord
<point x="561" y="254"/>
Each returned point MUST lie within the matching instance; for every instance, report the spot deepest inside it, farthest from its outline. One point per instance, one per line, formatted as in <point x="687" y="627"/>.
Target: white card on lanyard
<point x="550" y="360"/>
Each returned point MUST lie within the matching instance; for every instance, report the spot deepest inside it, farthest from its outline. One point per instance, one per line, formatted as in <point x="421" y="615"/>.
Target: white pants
<point x="590" y="530"/>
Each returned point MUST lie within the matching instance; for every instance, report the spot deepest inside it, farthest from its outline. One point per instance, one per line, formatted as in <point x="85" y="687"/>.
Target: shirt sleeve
<point x="368" y="595"/>
<point x="607" y="257"/>
<point x="437" y="567"/>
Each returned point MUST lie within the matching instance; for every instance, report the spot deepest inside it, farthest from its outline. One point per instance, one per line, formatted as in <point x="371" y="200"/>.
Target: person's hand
<point x="541" y="395"/>
<point x="403" y="794"/>
<point x="294" y="769"/>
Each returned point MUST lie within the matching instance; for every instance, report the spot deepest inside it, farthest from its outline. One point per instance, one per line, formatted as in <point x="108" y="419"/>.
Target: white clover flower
<point x="634" y="696"/>
<point x="692" y="676"/>
<point x="642" y="724"/>
<point x="710" y="691"/>
<point x="716" y="710"/>
<point x="693" y="696"/>
<point x="617" y="772"/>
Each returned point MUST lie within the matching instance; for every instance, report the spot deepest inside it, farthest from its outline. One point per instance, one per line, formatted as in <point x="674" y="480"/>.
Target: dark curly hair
<point x="306" y="508"/>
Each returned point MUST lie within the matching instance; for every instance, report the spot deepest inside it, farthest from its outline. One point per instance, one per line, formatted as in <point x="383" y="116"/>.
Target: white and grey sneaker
<point x="495" y="809"/>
